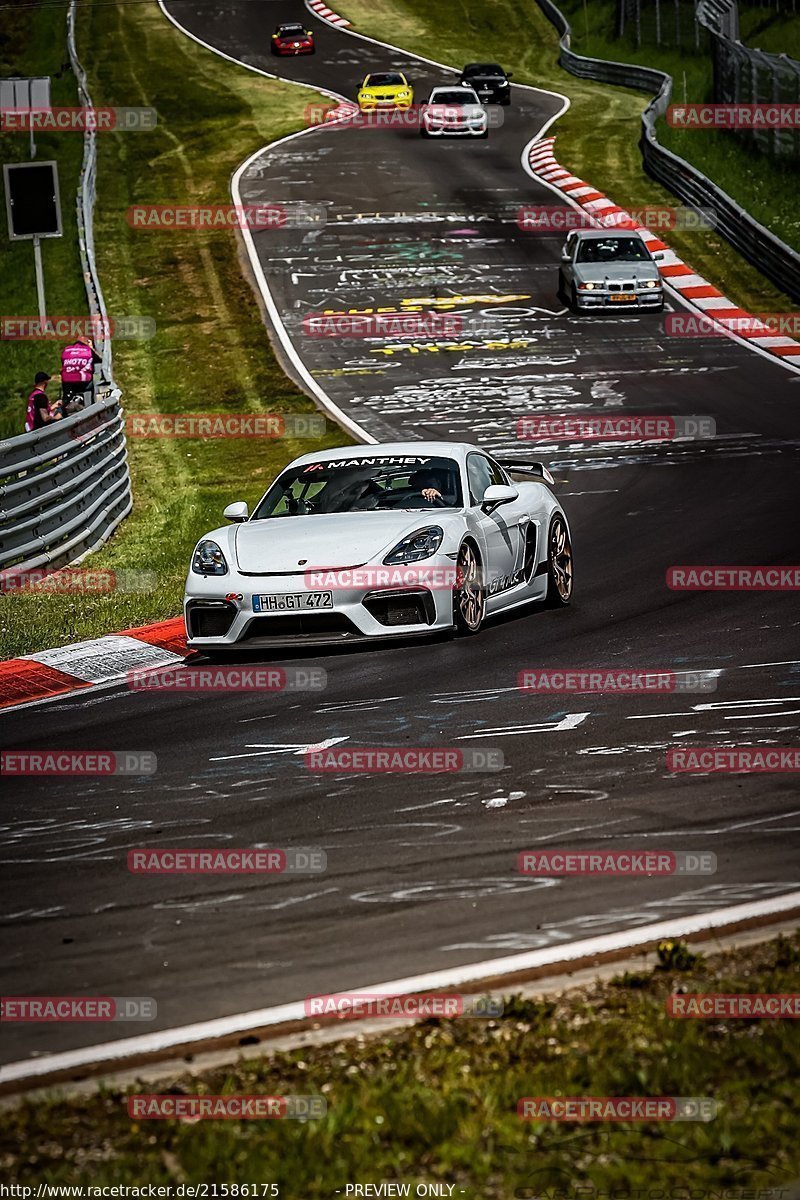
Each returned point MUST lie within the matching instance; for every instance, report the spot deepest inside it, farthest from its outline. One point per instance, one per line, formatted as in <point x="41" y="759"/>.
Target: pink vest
<point x="76" y="364"/>
<point x="30" y="415"/>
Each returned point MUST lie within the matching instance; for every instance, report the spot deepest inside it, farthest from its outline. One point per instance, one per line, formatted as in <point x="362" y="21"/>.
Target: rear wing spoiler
<point x="527" y="468"/>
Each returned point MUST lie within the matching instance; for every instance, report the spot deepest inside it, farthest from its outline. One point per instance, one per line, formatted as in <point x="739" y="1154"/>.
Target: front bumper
<point x="643" y="298"/>
<point x="370" y="105"/>
<point x="445" y="129"/>
<point x="217" y="619"/>
<point x="292" y="51"/>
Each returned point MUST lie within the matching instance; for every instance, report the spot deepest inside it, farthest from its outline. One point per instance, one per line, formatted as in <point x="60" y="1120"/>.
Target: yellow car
<point x="388" y="89"/>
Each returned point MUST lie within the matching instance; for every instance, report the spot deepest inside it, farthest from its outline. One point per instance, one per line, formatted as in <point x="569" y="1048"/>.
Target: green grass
<point x="211" y="352"/>
<point x="770" y="29"/>
<point x="768" y="190"/>
<point x="33" y="42"/>
<point x="597" y="138"/>
<point x="438" y="1103"/>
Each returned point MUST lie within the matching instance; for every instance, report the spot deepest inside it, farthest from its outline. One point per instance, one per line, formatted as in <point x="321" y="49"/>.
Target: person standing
<point x="77" y="374"/>
<point x="39" y="412"/>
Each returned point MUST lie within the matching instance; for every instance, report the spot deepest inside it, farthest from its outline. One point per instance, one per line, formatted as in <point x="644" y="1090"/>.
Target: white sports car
<point x="368" y="541"/>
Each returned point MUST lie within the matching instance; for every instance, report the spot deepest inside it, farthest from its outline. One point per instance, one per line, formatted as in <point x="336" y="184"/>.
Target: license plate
<point x="623" y="297"/>
<point x="292" y="602"/>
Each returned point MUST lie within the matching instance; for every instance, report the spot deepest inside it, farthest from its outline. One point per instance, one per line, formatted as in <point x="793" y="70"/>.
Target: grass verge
<point x="210" y="352"/>
<point x="597" y="138"/>
<point x="438" y="1103"/>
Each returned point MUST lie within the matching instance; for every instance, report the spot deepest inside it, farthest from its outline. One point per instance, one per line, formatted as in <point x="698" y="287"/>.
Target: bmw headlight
<point x="404" y="95"/>
<point x="651" y="283"/>
<point x="587" y="287"/>
<point x="416" y="546"/>
<point x="208" y="559"/>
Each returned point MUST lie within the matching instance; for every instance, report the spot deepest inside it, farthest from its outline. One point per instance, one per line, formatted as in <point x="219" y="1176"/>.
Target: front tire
<point x="469" y="598"/>
<point x="560" y="572"/>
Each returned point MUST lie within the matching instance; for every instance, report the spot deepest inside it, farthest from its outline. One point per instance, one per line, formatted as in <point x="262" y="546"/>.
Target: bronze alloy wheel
<point x="469" y="598"/>
<point x="559" y="563"/>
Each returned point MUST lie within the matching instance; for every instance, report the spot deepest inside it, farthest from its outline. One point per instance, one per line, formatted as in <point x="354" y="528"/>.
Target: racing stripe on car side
<point x="692" y="288"/>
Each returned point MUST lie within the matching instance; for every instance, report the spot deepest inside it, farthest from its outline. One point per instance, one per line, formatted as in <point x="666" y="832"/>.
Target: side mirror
<point x="497" y="494"/>
<point x="659" y="256"/>
<point x="509" y="74"/>
<point x="238" y="511"/>
<point x="565" y="255"/>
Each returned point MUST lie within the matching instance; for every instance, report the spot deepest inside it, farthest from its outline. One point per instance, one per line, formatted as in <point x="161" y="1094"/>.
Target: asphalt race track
<point x="422" y="869"/>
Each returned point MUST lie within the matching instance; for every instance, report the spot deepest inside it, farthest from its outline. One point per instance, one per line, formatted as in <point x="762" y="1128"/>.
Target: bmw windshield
<point x="363" y="484"/>
<point x="616" y="249"/>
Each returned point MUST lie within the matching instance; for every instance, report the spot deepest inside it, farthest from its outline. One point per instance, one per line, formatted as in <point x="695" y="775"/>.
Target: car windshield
<point x="617" y="249"/>
<point x="453" y="98"/>
<point x="363" y="484"/>
<point x="484" y="69"/>
<point x="387" y="80"/>
<point x="290" y="30"/>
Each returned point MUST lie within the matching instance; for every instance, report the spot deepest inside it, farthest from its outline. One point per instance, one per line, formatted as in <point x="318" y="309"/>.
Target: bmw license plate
<point x="292" y="602"/>
<point x="623" y="297"/>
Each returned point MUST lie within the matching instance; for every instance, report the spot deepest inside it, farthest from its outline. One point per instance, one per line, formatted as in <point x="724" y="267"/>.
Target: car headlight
<point x="416" y="546"/>
<point x="403" y="95"/>
<point x="504" y="83"/>
<point x="587" y="287"/>
<point x="208" y="559"/>
<point x="651" y="283"/>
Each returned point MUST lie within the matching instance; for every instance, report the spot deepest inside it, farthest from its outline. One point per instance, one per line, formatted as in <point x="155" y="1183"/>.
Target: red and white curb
<point x="692" y="288"/>
<point x="324" y="13"/>
<point x="67" y="669"/>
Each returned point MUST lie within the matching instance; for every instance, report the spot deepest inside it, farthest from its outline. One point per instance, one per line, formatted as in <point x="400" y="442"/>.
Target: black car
<point x="489" y="80"/>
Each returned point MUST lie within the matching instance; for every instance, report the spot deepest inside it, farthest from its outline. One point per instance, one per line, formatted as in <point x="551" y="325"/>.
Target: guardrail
<point x="64" y="488"/>
<point x="779" y="262"/>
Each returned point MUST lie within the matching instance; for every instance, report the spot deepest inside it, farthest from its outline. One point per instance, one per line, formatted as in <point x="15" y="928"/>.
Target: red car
<point x="292" y="39"/>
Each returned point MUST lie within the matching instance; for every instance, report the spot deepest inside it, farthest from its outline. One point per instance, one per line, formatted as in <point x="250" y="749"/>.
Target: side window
<point x="498" y="474"/>
<point x="479" y="474"/>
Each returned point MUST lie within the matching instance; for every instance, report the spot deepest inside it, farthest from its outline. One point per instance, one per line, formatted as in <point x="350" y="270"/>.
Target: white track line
<point x="166" y="1040"/>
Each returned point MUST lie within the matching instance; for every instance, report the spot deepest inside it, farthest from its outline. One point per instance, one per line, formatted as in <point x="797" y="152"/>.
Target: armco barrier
<point x="763" y="249"/>
<point x="64" y="488"/>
